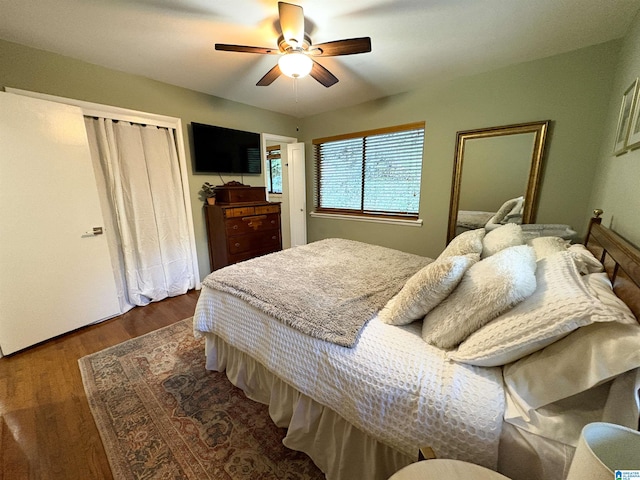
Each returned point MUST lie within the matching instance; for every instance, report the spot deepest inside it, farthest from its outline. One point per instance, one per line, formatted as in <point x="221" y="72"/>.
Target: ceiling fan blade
<point x="291" y="22"/>
<point x="246" y="49"/>
<point x="269" y="77"/>
<point x="322" y="75"/>
<point x="349" y="46"/>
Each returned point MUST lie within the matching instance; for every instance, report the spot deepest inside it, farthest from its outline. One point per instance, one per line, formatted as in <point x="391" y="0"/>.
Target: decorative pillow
<point x="426" y="289"/>
<point x="505" y="236"/>
<point x="545" y="246"/>
<point x="513" y="218"/>
<point x="561" y="304"/>
<point x="488" y="288"/>
<point x="587" y="357"/>
<point x="506" y="208"/>
<point x="585" y="260"/>
<point x="601" y="286"/>
<point x="517" y="209"/>
<point x="464" y="244"/>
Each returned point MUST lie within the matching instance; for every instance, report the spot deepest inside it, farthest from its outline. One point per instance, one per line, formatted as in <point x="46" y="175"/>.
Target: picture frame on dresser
<point x="624" y="118"/>
<point x="634" y="125"/>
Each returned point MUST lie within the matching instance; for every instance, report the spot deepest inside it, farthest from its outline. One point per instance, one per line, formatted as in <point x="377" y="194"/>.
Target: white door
<point x="297" y="193"/>
<point x="55" y="274"/>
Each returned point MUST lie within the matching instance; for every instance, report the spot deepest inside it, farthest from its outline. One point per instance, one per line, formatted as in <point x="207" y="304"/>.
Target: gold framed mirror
<point x="501" y="175"/>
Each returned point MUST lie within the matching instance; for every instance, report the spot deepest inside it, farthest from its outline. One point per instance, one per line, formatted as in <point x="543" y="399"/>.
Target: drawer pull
<point x="237" y="244"/>
<point x="255" y="221"/>
<point x="235" y="227"/>
<point x="274" y="237"/>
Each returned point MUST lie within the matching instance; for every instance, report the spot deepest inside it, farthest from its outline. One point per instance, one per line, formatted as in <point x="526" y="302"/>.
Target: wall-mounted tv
<point x="224" y="150"/>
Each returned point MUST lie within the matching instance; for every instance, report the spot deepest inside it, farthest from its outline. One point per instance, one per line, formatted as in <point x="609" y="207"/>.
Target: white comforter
<point x="391" y="385"/>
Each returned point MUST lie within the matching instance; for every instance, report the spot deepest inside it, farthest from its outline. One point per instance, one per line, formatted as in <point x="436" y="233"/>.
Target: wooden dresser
<point x="242" y="227"/>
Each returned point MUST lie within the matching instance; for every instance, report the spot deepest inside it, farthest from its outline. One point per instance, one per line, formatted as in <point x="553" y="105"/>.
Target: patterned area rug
<point x="161" y="415"/>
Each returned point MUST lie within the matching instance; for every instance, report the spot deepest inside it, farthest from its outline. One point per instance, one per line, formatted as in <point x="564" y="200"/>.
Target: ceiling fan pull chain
<point x="295" y="94"/>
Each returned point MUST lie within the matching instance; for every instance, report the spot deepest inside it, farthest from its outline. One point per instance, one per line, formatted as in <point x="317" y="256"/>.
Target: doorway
<point x="293" y="186"/>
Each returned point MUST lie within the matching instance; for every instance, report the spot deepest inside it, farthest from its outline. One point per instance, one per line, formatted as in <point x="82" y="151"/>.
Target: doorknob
<point x="94" y="231"/>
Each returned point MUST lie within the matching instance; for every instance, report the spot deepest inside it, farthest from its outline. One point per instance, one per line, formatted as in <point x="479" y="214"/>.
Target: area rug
<point x="162" y="415"/>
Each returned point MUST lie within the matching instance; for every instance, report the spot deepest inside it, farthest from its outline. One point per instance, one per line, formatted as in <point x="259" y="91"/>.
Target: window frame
<point x="362" y="213"/>
<point x="274" y="152"/>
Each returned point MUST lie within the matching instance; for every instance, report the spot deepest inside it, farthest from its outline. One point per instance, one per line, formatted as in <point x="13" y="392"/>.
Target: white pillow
<point x="515" y="214"/>
<point x="545" y="246"/>
<point x="426" y="289"/>
<point x="517" y="209"/>
<point x="488" y="288"/>
<point x="464" y="244"/>
<point x="587" y="357"/>
<point x="506" y="236"/>
<point x="515" y="218"/>
<point x="506" y="208"/>
<point x="601" y="286"/>
<point x="561" y="304"/>
<point x="585" y="260"/>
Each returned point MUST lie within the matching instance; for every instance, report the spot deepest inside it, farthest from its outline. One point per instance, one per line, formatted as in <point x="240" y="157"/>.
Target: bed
<point x="510" y="212"/>
<point x="361" y="377"/>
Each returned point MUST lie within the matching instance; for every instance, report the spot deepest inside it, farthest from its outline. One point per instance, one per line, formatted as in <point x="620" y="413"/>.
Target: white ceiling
<point x="414" y="42"/>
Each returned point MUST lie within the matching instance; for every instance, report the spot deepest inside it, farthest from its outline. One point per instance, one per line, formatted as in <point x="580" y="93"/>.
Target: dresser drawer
<point x="252" y="223"/>
<point x="239" y="212"/>
<point x="258" y="242"/>
<point x="260" y="210"/>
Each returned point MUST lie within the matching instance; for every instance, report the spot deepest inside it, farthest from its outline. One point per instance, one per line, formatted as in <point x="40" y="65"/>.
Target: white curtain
<point x="139" y="182"/>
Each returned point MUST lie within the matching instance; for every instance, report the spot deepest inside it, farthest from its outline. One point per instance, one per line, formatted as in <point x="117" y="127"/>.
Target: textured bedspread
<point x="391" y="384"/>
<point x="327" y="289"/>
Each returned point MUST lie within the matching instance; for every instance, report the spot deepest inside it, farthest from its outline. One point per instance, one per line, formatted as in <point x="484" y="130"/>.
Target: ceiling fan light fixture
<point x="295" y="64"/>
<point x="296" y="49"/>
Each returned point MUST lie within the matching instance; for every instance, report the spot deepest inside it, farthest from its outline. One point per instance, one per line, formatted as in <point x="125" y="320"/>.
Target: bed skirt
<point x="342" y="451"/>
<point x="338" y="448"/>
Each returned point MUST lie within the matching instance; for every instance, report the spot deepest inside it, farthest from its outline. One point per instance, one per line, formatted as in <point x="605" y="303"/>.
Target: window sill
<point x="394" y="221"/>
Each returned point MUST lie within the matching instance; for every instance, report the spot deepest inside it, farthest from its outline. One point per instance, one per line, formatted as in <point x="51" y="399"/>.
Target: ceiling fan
<point x="297" y="50"/>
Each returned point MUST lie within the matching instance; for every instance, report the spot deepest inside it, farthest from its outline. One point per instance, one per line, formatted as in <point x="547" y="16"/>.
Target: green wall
<point x="572" y="90"/>
<point x="617" y="179"/>
<point x="39" y="71"/>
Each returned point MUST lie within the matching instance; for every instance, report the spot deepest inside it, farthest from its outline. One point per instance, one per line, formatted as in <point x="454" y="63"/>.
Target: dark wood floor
<point x="46" y="428"/>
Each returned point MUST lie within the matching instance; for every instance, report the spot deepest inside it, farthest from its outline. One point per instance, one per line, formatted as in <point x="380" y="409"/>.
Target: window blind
<point x="373" y="173"/>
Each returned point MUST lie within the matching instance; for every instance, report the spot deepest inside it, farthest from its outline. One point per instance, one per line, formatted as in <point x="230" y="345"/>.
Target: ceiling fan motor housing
<point x="286" y="46"/>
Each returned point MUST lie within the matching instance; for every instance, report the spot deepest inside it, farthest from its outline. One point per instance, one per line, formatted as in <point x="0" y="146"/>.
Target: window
<point x="374" y="173"/>
<point x="274" y="169"/>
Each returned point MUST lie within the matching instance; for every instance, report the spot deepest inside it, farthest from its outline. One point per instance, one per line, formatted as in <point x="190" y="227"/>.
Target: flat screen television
<point x="224" y="150"/>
